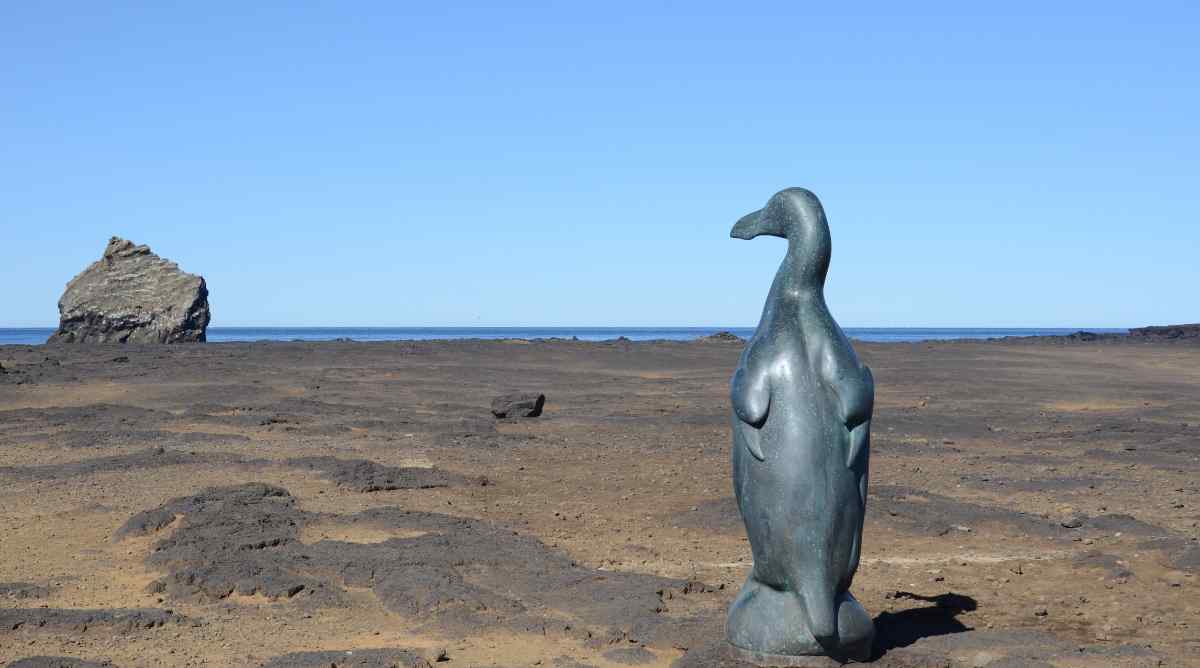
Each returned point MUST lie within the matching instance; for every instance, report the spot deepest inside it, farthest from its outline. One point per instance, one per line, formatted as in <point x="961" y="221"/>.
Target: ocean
<point x="36" y="335"/>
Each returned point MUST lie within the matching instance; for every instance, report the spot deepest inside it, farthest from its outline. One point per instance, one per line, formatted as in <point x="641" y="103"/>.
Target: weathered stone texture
<point x="131" y="295"/>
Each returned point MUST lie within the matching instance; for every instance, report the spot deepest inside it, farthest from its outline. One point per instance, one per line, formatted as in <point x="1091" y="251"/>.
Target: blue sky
<point x="383" y="163"/>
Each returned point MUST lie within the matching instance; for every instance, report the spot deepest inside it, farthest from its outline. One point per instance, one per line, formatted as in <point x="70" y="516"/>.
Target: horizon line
<point x="476" y="326"/>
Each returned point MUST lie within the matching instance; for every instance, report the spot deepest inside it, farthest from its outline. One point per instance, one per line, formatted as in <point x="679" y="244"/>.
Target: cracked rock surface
<point x="131" y="295"/>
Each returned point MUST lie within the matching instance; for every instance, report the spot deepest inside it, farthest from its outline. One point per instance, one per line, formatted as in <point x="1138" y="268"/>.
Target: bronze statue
<point x="802" y="406"/>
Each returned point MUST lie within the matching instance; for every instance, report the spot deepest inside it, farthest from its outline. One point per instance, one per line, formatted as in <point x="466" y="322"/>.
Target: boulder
<point x="131" y="295"/>
<point x="518" y="404"/>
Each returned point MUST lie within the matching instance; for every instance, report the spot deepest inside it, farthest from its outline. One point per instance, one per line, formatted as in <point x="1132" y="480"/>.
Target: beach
<point x="1032" y="502"/>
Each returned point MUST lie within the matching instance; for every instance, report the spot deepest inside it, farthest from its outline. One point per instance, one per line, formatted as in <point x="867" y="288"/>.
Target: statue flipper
<point x="856" y="400"/>
<point x="754" y="444"/>
<point x="751" y="395"/>
<point x="856" y="396"/>
<point x="860" y="437"/>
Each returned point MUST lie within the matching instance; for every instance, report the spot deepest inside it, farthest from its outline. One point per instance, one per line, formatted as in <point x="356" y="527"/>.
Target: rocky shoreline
<point x="362" y="504"/>
<point x="1170" y="334"/>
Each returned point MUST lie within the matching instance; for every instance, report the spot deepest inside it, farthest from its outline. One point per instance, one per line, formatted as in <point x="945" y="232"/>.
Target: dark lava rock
<point x="922" y="512"/>
<point x="714" y="653"/>
<point x="1114" y="567"/>
<point x="183" y="439"/>
<point x="722" y="337"/>
<point x="361" y="658"/>
<point x="456" y="574"/>
<point x="362" y="475"/>
<point x="518" y="404"/>
<point x="13" y="377"/>
<point x="1187" y="559"/>
<point x="147" y="459"/>
<point x="229" y="543"/>
<point x="111" y="425"/>
<point x="1120" y="522"/>
<point x="131" y="295"/>
<point x="630" y="656"/>
<point x="568" y="662"/>
<point x="60" y="619"/>
<point x="1167" y="332"/>
<point x="107" y="417"/>
<point x="58" y="662"/>
<point x="22" y="590"/>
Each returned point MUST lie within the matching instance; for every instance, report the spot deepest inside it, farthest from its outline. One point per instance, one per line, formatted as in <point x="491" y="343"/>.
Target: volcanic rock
<point x="722" y="337"/>
<point x="518" y="404"/>
<point x="363" y="475"/>
<point x="22" y="590"/>
<point x="363" y="658"/>
<point x="119" y="620"/>
<point x="131" y="295"/>
<point x="1168" y="332"/>
<point x="58" y="662"/>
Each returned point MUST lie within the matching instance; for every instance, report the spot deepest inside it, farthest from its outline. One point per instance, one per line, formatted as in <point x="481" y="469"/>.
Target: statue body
<point x="802" y="406"/>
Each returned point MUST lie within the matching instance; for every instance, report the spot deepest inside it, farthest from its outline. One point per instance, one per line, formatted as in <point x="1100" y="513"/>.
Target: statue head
<point x="794" y="214"/>
<point x="790" y="214"/>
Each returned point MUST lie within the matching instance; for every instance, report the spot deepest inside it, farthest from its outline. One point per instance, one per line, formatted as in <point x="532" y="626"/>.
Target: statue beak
<point x="748" y="226"/>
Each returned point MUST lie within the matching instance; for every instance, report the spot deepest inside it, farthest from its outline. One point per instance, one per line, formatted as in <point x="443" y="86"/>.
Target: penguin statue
<point x="801" y="429"/>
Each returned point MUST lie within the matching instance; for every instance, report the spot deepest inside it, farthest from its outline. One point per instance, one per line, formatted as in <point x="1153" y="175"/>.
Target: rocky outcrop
<point x="721" y="337"/>
<point x="518" y="404"/>
<point x="1167" y="332"/>
<point x="131" y="295"/>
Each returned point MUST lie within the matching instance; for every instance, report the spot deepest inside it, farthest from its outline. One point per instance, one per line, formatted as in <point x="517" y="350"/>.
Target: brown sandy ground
<point x="300" y="504"/>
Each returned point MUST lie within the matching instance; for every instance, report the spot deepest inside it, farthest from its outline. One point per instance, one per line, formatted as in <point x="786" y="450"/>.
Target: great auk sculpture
<point x="802" y="405"/>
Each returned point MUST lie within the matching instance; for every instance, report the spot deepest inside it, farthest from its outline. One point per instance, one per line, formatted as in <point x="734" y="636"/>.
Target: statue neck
<point x="801" y="275"/>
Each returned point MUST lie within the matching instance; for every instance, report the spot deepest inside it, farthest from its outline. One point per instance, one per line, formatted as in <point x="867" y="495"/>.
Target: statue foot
<point x="767" y="626"/>
<point x="768" y="621"/>
<point x="856" y="630"/>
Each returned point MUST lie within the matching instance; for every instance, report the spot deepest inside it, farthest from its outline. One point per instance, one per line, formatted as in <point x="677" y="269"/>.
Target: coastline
<point x="34" y="336"/>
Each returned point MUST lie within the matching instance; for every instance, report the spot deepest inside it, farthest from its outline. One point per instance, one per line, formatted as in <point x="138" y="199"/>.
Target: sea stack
<point x="131" y="295"/>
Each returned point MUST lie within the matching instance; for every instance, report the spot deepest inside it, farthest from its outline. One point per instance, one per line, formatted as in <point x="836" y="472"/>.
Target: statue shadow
<point x="901" y="629"/>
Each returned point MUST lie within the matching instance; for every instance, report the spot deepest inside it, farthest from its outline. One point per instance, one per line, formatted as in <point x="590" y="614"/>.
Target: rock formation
<point x="131" y="295"/>
<point x="518" y="404"/>
<point x="721" y="337"/>
<point x="1167" y="332"/>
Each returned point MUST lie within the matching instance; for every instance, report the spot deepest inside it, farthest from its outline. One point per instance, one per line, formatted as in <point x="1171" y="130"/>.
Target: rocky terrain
<point x="131" y="295"/>
<point x="1185" y="334"/>
<point x="1033" y="503"/>
<point x="1167" y="332"/>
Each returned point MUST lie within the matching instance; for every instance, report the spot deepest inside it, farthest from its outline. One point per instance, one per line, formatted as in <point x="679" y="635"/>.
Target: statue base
<point x="774" y="625"/>
<point x="779" y="660"/>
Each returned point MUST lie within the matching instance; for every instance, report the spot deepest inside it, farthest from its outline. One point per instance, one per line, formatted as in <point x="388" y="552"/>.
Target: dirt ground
<point x="355" y="504"/>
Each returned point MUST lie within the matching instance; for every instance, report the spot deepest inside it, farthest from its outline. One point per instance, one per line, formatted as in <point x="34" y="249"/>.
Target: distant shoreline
<point x="38" y="335"/>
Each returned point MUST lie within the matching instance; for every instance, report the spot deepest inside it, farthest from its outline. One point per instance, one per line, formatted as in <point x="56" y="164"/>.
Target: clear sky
<point x="402" y="163"/>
